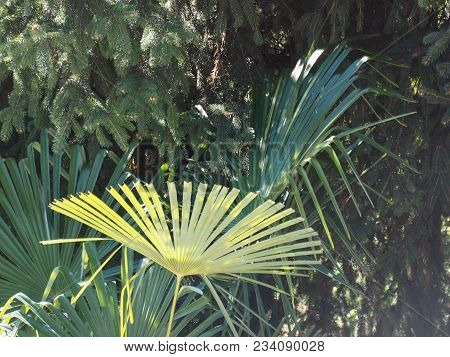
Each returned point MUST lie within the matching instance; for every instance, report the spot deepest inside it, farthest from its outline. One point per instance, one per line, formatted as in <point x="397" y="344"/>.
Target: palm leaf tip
<point x="203" y="235"/>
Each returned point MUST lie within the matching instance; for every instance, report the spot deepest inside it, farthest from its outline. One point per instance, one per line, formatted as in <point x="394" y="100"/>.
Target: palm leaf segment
<point x="204" y="239"/>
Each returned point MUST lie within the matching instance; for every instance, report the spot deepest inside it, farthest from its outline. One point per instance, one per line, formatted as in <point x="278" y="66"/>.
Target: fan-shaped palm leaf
<point x="26" y="188"/>
<point x="94" y="316"/>
<point x="300" y="144"/>
<point x="198" y="242"/>
<point x="203" y="239"/>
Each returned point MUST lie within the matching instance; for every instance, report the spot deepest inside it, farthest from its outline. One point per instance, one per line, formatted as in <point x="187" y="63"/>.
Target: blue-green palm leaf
<point x="27" y="187"/>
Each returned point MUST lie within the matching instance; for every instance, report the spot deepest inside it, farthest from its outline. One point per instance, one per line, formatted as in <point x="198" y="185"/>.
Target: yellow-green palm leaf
<point x="206" y="238"/>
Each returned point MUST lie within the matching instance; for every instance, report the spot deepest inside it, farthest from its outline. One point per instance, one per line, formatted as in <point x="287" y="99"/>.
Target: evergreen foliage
<point x="104" y="68"/>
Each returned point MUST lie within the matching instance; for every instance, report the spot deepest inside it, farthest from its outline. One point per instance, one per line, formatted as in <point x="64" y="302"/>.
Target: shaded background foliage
<point x="171" y="73"/>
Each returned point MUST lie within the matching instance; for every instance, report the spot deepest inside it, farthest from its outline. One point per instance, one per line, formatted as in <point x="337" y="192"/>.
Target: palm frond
<point x="202" y="239"/>
<point x="26" y="188"/>
<point x="144" y="312"/>
<point x="299" y="142"/>
<point x="198" y="242"/>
